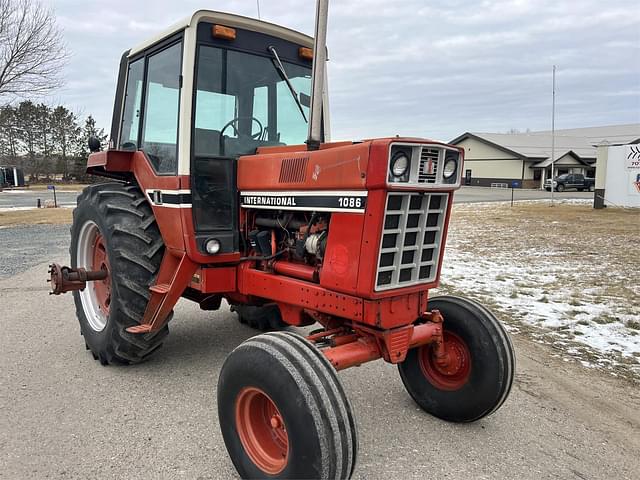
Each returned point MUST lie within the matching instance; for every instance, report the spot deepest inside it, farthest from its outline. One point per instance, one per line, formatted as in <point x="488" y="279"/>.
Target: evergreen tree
<point x="27" y="133"/>
<point x="46" y="140"/>
<point x="65" y="132"/>
<point x="42" y="132"/>
<point x="91" y="130"/>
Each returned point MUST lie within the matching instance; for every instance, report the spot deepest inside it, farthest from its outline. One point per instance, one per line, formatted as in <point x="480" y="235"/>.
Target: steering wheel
<point x="234" y="122"/>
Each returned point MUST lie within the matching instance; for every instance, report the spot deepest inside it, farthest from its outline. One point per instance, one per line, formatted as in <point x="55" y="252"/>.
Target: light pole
<point x="553" y="130"/>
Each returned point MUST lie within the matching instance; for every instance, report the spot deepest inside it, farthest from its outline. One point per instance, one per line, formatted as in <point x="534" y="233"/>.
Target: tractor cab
<point x="209" y="89"/>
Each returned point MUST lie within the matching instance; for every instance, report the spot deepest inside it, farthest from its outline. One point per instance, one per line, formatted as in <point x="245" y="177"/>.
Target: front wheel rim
<point x="262" y="431"/>
<point x="92" y="255"/>
<point x="451" y="374"/>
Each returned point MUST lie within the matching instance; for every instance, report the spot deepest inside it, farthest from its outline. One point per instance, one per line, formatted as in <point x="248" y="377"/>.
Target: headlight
<point x="399" y="164"/>
<point x="212" y="246"/>
<point x="449" y="169"/>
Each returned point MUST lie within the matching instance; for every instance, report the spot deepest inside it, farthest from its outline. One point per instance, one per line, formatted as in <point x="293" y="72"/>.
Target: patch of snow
<point x="16" y="209"/>
<point x="536" y="288"/>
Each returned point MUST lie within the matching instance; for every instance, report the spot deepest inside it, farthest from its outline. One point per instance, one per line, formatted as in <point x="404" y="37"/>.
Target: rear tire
<point x="478" y="380"/>
<point x="560" y="188"/>
<point x="114" y="223"/>
<point x="264" y="318"/>
<point x="283" y="412"/>
<point x="592" y="188"/>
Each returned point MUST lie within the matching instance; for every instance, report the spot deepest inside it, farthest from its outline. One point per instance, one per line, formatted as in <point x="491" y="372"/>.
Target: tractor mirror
<point x="305" y="99"/>
<point x="94" y="144"/>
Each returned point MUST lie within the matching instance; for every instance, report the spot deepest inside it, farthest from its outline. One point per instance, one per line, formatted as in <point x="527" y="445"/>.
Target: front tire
<point x="477" y="379"/>
<point x="114" y="229"/>
<point x="283" y="412"/>
<point x="560" y="188"/>
<point x="265" y="318"/>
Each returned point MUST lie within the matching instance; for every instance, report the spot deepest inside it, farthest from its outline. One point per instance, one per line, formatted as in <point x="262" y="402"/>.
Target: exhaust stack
<point x="317" y="78"/>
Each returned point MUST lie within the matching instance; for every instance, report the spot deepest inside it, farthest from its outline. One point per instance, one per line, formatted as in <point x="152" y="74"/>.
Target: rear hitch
<point x="67" y="279"/>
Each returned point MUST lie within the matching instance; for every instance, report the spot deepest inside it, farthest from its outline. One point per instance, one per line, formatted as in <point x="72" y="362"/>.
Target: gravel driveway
<point x="24" y="246"/>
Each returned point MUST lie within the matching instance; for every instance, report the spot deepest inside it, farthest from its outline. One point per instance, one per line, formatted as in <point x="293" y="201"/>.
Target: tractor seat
<point x="206" y="142"/>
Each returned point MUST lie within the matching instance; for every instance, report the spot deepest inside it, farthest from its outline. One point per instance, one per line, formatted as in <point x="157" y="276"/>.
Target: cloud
<point x="409" y="67"/>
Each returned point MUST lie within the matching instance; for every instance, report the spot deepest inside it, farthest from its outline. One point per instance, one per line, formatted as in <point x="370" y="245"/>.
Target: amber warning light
<point x="306" y="53"/>
<point x="220" y="31"/>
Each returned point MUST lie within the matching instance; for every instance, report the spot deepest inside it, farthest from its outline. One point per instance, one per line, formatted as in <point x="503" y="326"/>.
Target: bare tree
<point x="32" y="51"/>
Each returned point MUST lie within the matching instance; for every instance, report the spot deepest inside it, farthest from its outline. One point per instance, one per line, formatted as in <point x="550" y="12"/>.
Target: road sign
<point x="55" y="200"/>
<point x="515" y="184"/>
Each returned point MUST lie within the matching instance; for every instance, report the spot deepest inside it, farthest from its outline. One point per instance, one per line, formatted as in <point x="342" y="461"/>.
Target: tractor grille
<point x="428" y="169"/>
<point x="411" y="239"/>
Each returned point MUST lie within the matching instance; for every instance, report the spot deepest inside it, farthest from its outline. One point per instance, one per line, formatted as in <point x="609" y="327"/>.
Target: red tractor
<point x="226" y="186"/>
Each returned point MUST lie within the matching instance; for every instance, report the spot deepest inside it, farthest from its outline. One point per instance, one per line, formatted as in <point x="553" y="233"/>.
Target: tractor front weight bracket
<point x="349" y="348"/>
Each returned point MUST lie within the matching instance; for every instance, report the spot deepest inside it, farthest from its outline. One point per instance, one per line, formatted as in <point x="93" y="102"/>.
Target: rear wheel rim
<point x="92" y="255"/>
<point x="262" y="431"/>
<point x="451" y="374"/>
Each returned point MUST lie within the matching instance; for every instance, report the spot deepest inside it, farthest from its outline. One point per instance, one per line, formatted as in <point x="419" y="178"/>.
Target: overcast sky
<point x="422" y="68"/>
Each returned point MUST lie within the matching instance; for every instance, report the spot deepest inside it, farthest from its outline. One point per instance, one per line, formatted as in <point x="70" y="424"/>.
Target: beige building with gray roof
<point x="504" y="158"/>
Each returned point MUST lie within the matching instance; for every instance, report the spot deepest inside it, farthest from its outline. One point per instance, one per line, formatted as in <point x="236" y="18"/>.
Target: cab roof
<point x="229" y="20"/>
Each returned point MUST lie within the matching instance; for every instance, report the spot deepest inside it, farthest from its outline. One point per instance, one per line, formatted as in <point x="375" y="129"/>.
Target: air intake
<point x="293" y="170"/>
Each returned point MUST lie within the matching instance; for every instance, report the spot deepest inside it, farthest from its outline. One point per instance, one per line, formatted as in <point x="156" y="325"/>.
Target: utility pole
<point x="258" y="5"/>
<point x="553" y="131"/>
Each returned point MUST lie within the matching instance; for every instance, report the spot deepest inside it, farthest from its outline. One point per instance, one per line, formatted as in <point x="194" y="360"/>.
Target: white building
<point x="618" y="178"/>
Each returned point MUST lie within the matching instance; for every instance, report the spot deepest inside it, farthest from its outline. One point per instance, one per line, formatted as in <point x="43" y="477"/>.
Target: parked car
<point x="568" y="181"/>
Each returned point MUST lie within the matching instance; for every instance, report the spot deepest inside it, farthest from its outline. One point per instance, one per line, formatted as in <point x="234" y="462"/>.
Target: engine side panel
<point x="341" y="263"/>
<point x="340" y="168"/>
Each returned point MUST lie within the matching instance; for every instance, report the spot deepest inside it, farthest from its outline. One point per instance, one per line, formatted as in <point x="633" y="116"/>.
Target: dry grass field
<point x="40" y="216"/>
<point x="567" y="275"/>
<point x="67" y="187"/>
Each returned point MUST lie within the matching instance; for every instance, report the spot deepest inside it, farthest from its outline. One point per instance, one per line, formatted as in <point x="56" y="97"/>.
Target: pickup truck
<point x="571" y="180"/>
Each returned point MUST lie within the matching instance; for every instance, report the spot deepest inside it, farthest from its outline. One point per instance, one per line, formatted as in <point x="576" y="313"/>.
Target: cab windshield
<point x="242" y="102"/>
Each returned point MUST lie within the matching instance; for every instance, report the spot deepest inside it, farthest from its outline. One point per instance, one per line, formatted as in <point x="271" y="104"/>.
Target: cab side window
<point x="161" y="109"/>
<point x="132" y="102"/>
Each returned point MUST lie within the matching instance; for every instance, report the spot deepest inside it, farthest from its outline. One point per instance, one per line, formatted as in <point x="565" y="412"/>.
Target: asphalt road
<point x="65" y="416"/>
<point x="28" y="198"/>
<point x="484" y="194"/>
